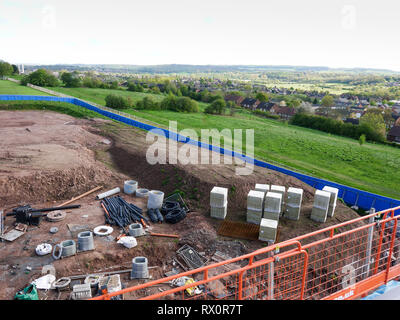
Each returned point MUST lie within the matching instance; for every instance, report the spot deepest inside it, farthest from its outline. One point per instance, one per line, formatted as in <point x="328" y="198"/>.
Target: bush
<point x="181" y="104"/>
<point x="117" y="102"/>
<point x="147" y="104"/>
<point x="40" y="78"/>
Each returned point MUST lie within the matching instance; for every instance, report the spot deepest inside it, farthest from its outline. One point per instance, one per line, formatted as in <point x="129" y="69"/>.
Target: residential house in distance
<point x="352" y="121"/>
<point x="250" y="103"/>
<point x="394" y="134"/>
<point x="283" y="112"/>
<point x="265" y="106"/>
<point x="235" y="99"/>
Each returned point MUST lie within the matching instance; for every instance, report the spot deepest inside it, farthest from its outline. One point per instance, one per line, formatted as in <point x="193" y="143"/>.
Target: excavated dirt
<point x="47" y="158"/>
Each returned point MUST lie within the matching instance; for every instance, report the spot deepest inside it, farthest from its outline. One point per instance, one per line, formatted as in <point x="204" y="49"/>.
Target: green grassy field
<point x="8" y="87"/>
<point x="370" y="167"/>
<point x="99" y="95"/>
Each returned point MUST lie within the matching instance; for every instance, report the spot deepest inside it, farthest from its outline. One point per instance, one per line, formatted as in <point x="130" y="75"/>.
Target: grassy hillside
<point x="8" y="87"/>
<point x="370" y="167"/>
<point x="98" y="95"/>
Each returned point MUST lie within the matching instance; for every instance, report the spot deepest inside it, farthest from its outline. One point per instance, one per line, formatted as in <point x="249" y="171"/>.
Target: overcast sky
<point x="334" y="33"/>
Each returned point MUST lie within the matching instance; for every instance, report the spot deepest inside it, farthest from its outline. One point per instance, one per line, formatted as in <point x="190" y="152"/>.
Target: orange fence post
<point x="389" y="262"/>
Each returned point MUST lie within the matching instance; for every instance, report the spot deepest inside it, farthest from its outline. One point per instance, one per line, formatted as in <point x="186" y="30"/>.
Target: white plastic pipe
<point x="108" y="193"/>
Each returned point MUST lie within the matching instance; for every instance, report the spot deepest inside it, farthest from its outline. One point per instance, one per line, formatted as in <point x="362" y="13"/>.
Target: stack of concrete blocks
<point x="332" y="204"/>
<point x="321" y="205"/>
<point x="281" y="190"/>
<point x="268" y="230"/>
<point x="255" y="200"/>
<point x="219" y="202"/>
<point x="294" y="198"/>
<point x="272" y="207"/>
<point x="262" y="188"/>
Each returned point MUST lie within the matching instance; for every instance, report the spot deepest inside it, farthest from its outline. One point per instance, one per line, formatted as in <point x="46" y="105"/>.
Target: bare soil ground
<point x="47" y="158"/>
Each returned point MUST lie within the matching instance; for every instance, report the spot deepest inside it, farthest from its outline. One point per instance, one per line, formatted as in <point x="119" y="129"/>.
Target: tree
<point x="42" y="78"/>
<point x="6" y="69"/>
<point x="217" y="107"/>
<point x="116" y="102"/>
<point x="114" y="85"/>
<point x="375" y="122"/>
<point x="70" y="80"/>
<point x="15" y="69"/>
<point x="261" y="96"/>
<point x="315" y="101"/>
<point x="327" y="101"/>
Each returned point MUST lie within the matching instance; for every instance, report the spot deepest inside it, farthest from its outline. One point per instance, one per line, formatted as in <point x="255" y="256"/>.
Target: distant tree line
<point x="339" y="127"/>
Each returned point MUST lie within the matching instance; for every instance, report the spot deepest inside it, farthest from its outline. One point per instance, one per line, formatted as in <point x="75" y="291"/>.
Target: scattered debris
<point x="183" y="281"/>
<point x="48" y="269"/>
<point x="164" y="235"/>
<point x="128" y="241"/>
<point x="29" y="293"/>
<point x="191" y="257"/>
<point x="21" y="227"/>
<point x="45" y="282"/>
<point x="53" y="230"/>
<point x="43" y="249"/>
<point x="12" y="235"/>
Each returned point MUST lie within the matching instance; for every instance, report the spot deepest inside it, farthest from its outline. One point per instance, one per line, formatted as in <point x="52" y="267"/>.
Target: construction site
<point x="85" y="216"/>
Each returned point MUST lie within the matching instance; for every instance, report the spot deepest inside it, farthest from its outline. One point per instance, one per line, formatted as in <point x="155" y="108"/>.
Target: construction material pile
<point x="120" y="213"/>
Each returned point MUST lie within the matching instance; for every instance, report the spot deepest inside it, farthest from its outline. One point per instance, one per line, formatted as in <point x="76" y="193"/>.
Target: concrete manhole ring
<point x="56" y="216"/>
<point x="142" y="193"/>
<point x="103" y="231"/>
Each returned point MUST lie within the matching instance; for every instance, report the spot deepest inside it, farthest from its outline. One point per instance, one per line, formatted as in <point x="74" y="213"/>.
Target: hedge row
<point x="336" y="127"/>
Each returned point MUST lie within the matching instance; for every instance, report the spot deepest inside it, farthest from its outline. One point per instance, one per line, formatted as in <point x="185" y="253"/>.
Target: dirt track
<point x="47" y="158"/>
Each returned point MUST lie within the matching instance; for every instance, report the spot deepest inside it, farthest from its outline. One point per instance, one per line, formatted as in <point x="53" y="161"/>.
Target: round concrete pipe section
<point x="156" y="199"/>
<point x="56" y="216"/>
<point x="130" y="186"/>
<point x="136" y="230"/>
<point x="62" y="284"/>
<point x="68" y="248"/>
<point x="85" y="241"/>
<point x="142" y="193"/>
<point x="102" y="231"/>
<point x="140" y="268"/>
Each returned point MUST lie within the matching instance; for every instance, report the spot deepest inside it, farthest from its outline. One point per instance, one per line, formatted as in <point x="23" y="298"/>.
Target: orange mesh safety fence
<point x="344" y="261"/>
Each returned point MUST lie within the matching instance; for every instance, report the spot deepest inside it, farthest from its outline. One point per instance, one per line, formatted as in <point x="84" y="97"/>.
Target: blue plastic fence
<point x="352" y="196"/>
